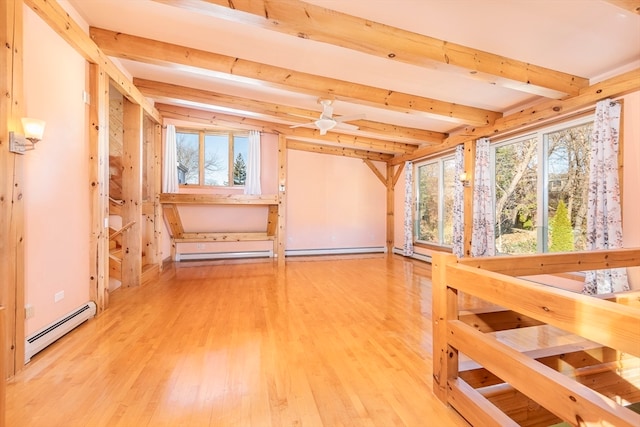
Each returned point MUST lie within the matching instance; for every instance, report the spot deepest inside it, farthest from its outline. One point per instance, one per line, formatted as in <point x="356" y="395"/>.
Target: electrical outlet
<point x="58" y="296"/>
<point x="199" y="245"/>
<point x="29" y="311"/>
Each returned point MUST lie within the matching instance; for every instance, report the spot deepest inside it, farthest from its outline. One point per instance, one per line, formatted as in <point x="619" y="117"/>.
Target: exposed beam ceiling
<point x="155" y="52"/>
<point x="212" y="118"/>
<point x="181" y="94"/>
<point x="313" y="22"/>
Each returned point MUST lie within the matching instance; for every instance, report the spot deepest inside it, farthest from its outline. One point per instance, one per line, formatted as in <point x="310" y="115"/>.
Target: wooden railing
<point x="609" y="329"/>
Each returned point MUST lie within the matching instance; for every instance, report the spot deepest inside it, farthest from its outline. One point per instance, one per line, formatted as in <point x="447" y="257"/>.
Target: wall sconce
<point x="465" y="179"/>
<point x="33" y="131"/>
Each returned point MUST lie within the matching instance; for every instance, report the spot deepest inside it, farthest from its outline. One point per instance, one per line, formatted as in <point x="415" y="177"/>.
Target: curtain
<point x="604" y="218"/>
<point x="482" y="235"/>
<point x="170" y="162"/>
<point x="408" y="209"/>
<point x="458" y="204"/>
<point x="252" y="182"/>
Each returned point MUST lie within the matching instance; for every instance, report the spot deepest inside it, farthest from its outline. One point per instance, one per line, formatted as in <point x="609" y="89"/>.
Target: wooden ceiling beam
<point x="212" y="118"/>
<point x="611" y="88"/>
<point x="160" y="53"/>
<point x="168" y="92"/>
<point x="309" y="21"/>
<point x="630" y="5"/>
<point x="337" y="151"/>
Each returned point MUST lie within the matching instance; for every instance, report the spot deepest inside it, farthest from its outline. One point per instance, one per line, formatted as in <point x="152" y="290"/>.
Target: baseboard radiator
<point x="222" y="255"/>
<point x="39" y="340"/>
<point x="335" y="251"/>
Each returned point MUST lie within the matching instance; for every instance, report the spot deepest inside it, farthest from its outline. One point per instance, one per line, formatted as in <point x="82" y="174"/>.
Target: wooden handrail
<point x="217" y="199"/>
<point x="117" y="233"/>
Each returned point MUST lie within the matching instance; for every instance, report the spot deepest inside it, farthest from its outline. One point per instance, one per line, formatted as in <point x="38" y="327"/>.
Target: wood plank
<point x="152" y="51"/>
<point x="12" y="251"/>
<point x="170" y="92"/>
<point x="610" y="324"/>
<point x="218" y="199"/>
<point x="132" y="194"/>
<point x="272" y="220"/>
<point x="242" y="122"/>
<point x="282" y="200"/>
<point x="99" y="187"/>
<point x="474" y="407"/>
<point x="221" y="237"/>
<point x="172" y="218"/>
<point x="337" y="151"/>
<point x="313" y="22"/>
<point x="611" y="88"/>
<point x="560" y="395"/>
<point x="390" y="225"/>
<point x="3" y="369"/>
<point x="375" y="171"/>
<point x="550" y="263"/>
<point x="630" y="5"/>
<point x="60" y="21"/>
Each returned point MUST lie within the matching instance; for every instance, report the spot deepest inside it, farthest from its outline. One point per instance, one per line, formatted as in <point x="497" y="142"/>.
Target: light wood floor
<point x="323" y="342"/>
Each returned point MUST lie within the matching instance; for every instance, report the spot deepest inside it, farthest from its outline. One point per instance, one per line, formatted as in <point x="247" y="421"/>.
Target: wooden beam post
<point x="132" y="194"/>
<point x="443" y="310"/>
<point x="157" y="189"/>
<point x="12" y="277"/>
<point x="469" y="168"/>
<point x="390" y="208"/>
<point x="280" y="241"/>
<point x="99" y="187"/>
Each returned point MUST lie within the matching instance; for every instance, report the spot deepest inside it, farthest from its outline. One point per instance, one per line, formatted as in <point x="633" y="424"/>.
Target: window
<point x="212" y="158"/>
<point x="436" y="179"/>
<point x="541" y="182"/>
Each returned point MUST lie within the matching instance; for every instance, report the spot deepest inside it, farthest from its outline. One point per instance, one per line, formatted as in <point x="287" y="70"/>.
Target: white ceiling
<point x="587" y="38"/>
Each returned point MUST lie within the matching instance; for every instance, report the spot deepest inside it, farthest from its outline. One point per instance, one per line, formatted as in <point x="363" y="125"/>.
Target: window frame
<point x="440" y="161"/>
<point x="542" y="175"/>
<point x="202" y="133"/>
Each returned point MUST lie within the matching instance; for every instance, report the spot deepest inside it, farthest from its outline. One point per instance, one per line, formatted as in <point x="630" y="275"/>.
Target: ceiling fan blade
<point x="347" y="126"/>
<point x="303" y="125"/>
<point x="349" y="118"/>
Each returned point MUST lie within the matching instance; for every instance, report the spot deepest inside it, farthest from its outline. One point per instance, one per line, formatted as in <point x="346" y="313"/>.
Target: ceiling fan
<point x="327" y="122"/>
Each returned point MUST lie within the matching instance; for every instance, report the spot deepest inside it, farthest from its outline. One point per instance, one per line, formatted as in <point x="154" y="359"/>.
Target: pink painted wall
<point x="56" y="176"/>
<point x="333" y="202"/>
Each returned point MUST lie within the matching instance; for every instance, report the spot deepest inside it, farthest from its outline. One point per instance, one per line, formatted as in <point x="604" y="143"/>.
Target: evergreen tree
<point x="239" y="171"/>
<point x="561" y="230"/>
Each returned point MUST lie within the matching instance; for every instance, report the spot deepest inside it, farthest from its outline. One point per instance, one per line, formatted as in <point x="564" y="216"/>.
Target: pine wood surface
<point x="319" y="342"/>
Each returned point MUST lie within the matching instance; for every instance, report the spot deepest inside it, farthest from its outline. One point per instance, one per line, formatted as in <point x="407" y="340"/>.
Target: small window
<point x="213" y="159"/>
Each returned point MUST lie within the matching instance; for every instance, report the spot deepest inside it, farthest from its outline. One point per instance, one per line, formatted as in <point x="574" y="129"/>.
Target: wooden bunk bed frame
<point x="545" y="381"/>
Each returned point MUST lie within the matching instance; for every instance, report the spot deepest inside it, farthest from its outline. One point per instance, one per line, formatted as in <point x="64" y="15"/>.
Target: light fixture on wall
<point x="33" y="130"/>
<point x="465" y="179"/>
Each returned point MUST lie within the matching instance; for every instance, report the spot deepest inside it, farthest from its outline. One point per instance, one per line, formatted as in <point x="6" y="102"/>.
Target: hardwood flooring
<point x="321" y="342"/>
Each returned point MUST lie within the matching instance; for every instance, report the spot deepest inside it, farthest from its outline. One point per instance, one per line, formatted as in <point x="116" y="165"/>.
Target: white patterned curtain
<point x="170" y="162"/>
<point x="482" y="235"/>
<point x="252" y="181"/>
<point x="604" y="218"/>
<point x="408" y="209"/>
<point x="458" y="204"/>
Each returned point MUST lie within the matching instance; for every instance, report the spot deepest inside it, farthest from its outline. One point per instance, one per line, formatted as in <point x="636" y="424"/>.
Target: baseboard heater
<point x="222" y="255"/>
<point x="335" y="251"/>
<point x="421" y="257"/>
<point x="57" y="329"/>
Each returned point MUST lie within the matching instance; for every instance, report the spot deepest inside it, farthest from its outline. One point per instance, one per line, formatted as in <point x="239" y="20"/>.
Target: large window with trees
<point x="436" y="179"/>
<point x="541" y="182"/>
<point x="212" y="158"/>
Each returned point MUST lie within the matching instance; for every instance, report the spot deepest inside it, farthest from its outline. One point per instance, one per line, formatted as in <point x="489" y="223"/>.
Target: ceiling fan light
<point x="324" y="125"/>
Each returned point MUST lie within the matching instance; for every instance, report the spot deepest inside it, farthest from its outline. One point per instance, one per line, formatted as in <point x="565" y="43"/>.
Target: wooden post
<point x="99" y="187"/>
<point x="132" y="193"/>
<point x="469" y="166"/>
<point x="390" y="208"/>
<point x="444" y="363"/>
<point x="12" y="276"/>
<point x="280" y="241"/>
<point x="157" y="189"/>
<point x="3" y="374"/>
